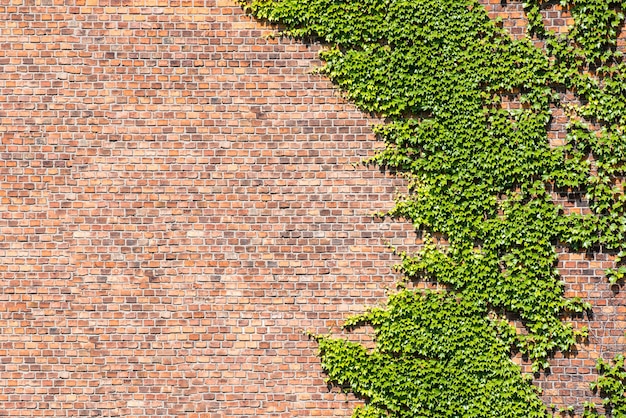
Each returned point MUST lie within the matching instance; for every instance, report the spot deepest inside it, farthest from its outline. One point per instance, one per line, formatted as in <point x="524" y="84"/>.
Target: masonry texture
<point x="179" y="203"/>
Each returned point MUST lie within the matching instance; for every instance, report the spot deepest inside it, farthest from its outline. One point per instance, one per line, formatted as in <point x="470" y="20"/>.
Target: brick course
<point x="178" y="204"/>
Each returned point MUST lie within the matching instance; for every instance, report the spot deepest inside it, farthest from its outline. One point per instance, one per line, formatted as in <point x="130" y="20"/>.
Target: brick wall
<point x="178" y="203"/>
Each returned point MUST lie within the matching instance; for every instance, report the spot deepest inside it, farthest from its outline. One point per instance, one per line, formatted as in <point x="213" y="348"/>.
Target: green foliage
<point x="468" y="110"/>
<point x="611" y="386"/>
<point x="435" y="355"/>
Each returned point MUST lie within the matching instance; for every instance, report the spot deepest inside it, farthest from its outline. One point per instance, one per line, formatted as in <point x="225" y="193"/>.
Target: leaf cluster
<point x="611" y="386"/>
<point x="436" y="355"/>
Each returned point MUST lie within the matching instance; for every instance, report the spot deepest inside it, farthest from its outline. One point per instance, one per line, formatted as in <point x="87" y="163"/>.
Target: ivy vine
<point x="467" y="113"/>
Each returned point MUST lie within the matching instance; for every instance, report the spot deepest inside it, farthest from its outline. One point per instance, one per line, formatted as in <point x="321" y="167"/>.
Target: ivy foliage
<point x="468" y="111"/>
<point x="422" y="365"/>
<point x="611" y="386"/>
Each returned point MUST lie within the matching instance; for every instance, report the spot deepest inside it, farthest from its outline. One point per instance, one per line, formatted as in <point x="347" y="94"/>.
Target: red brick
<point x="178" y="205"/>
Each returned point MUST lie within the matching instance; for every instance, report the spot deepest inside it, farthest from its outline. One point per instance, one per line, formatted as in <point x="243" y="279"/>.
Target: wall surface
<point x="178" y="204"/>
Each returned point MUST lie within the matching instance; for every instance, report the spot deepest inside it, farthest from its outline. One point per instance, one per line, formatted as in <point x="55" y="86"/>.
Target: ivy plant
<point x="611" y="386"/>
<point x="423" y="366"/>
<point x="467" y="112"/>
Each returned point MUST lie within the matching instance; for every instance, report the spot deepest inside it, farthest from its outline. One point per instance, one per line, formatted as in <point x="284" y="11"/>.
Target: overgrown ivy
<point x="610" y="386"/>
<point x="467" y="113"/>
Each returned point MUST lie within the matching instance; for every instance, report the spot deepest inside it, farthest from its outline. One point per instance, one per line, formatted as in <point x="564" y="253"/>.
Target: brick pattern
<point x="177" y="206"/>
<point x="178" y="203"/>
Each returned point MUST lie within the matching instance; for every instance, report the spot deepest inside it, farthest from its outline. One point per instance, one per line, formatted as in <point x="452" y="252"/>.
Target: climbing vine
<point x="611" y="386"/>
<point x="467" y="113"/>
